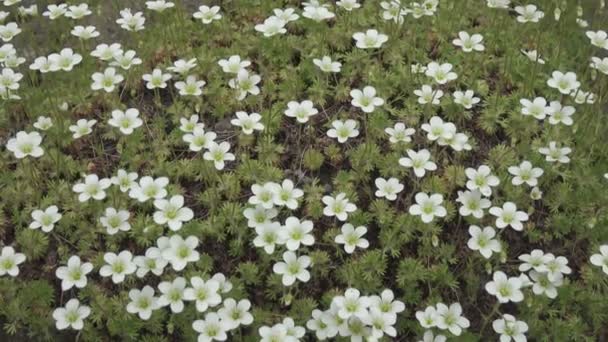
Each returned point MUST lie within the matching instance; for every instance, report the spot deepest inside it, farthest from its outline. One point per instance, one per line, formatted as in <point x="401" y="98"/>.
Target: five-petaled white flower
<point x="172" y="294"/>
<point x="148" y="188"/>
<point x="302" y="111"/>
<point x="199" y="139"/>
<point x="108" y="80"/>
<point x="338" y="206"/>
<point x="326" y="64"/>
<point x="131" y="21"/>
<point x="472" y="203"/>
<point x="400" y="133"/>
<point x="248" y="122"/>
<point x="553" y="153"/>
<point x="293" y="268"/>
<point x="218" y="153"/>
<point x="295" y="233"/>
<point x="191" y="87"/>
<point x="508" y="215"/>
<point x="483" y="241"/>
<point x="366" y="99"/>
<point x="342" y="130"/>
<point x="82" y="127"/>
<point x="510" y="329"/>
<point x="427" y="207"/>
<point x="207" y="14"/>
<point x="481" y="179"/>
<point x="235" y="314"/>
<point x="205" y="294"/>
<point x="125" y="180"/>
<point x="426" y="94"/>
<point x="156" y="79"/>
<point x="601" y="259"/>
<point x="528" y="14"/>
<point x="74" y="273"/>
<point x="71" y="316"/>
<point x="46" y="219"/>
<point x="172" y="212"/>
<point x="352" y="238"/>
<point x="92" y="187"/>
<point x="565" y="83"/>
<point x="468" y="42"/>
<point x="451" y="318"/>
<point x="126" y="121"/>
<point x="371" y="39"/>
<point x="441" y="73"/>
<point x="25" y="144"/>
<point x="233" y="64"/>
<point x="505" y="289"/>
<point x="212" y="328"/>
<point x="181" y="251"/>
<point x="143" y="302"/>
<point x="525" y="173"/>
<point x="388" y="188"/>
<point x="118" y="266"/>
<point x="598" y="38"/>
<point x="419" y="161"/>
<point x="466" y="99"/>
<point x="115" y="220"/>
<point x="560" y="114"/>
<point x="9" y="261"/>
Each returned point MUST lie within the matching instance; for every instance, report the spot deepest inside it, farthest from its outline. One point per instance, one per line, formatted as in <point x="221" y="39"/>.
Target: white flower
<point x="342" y="130"/>
<point x="505" y="289"/>
<point x="600" y="64"/>
<point x="555" y="154"/>
<point x="472" y="203"/>
<point x="286" y="194"/>
<point x="601" y="259"/>
<point x="352" y="304"/>
<point x="85" y="33"/>
<point x="131" y="22"/>
<point x="468" y="42"/>
<point x="399" y="133"/>
<point x="510" y="328"/>
<point x="536" y="260"/>
<point x="441" y="73"/>
<point x="115" y="220"/>
<point x="483" y="241"/>
<point x="205" y="293"/>
<point x="268" y="236"/>
<point x="55" y="11"/>
<point x="118" y="266"/>
<point x="212" y="328"/>
<point x="504" y="4"/>
<point x="233" y="64"/>
<point x="142" y="302"/>
<point x="598" y="38"/>
<point x="427" y="207"/>
<point x="466" y="99"/>
<point x="82" y="127"/>
<point x="276" y="333"/>
<point x="327" y="65"/>
<point x="45" y="219"/>
<point x="106" y="81"/>
<point x="181" y="251"/>
<point x="92" y="187"/>
<point x="565" y="83"/>
<point x="107" y="52"/>
<point x="188" y="125"/>
<point x="9" y="261"/>
<point x="172" y="212"/>
<point x="182" y="66"/>
<point x="533" y="55"/>
<point x="148" y="188"/>
<point x="245" y="83"/>
<point x="537" y="108"/>
<point x="9" y="80"/>
<point x="292" y="268"/>
<point x="248" y="122"/>
<point x="295" y="233"/>
<point x="259" y="215"/>
<point x="451" y="318"/>
<point x="388" y="188"/>
<point x="528" y="14"/>
<point x="235" y="314"/>
<point x="420" y="161"/>
<point x="25" y="144"/>
<point x="125" y="180"/>
<point x="321" y="329"/>
<point x="338" y="206"/>
<point x="371" y="39"/>
<point x="481" y="179"/>
<point x="352" y="238"/>
<point x="583" y="97"/>
<point x="152" y="261"/>
<point x="557" y="267"/>
<point x="225" y="284"/>
<point x="7" y="50"/>
<point x="13" y="61"/>
<point x="348" y="5"/>
<point x="126" y="121"/>
<point x="302" y="111"/>
<point x="199" y="139"/>
<point x="65" y="60"/>
<point x="366" y="99"/>
<point x="525" y="173"/>
<point x="508" y="215"/>
<point x="172" y="294"/>
<point x="218" y="153"/>
<point x="560" y="114"/>
<point x="192" y="86"/>
<point x="9" y="31"/>
<point x="125" y="60"/>
<point x="264" y="195"/>
<point x="78" y="11"/>
<point x="287" y="14"/>
<point x="381" y="323"/>
<point x="428" y="335"/>
<point x="426" y="94"/>
<point x="207" y="14"/>
<point x="544" y="285"/>
<point x="272" y="26"/>
<point x="159" y="5"/>
<point x="156" y="79"/>
<point x="71" y="316"/>
<point x="427" y="318"/>
<point x="74" y="273"/>
<point x="386" y="303"/>
<point x="317" y="13"/>
<point x="394" y="11"/>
